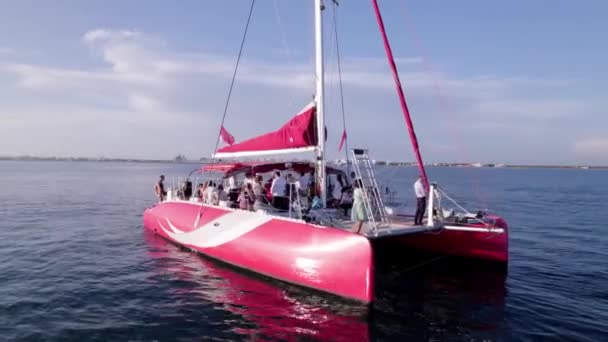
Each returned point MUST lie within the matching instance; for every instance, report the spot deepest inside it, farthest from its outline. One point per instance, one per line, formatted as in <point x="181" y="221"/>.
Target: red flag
<point x="226" y="137"/>
<point x="342" y="140"/>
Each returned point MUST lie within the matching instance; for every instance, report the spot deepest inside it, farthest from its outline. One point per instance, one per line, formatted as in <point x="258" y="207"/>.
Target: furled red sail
<point x="404" y="109"/>
<point x="298" y="134"/>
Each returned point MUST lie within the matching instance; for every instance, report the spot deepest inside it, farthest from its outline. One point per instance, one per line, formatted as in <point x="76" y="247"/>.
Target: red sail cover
<point x="298" y="132"/>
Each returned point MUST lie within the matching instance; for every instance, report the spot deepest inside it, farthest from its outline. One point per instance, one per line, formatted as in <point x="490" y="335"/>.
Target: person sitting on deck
<point x="420" y="201"/>
<point x="159" y="189"/>
<point x="358" y="214"/>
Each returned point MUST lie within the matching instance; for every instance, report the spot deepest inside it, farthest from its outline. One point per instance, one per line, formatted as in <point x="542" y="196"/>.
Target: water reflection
<point x="441" y="299"/>
<point x="429" y="297"/>
<point x="274" y="311"/>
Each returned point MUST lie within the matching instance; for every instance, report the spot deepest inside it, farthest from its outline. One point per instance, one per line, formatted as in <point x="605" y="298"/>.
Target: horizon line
<point x="177" y="159"/>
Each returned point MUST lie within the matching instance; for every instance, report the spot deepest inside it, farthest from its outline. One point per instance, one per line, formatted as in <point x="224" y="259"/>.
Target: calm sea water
<point x="76" y="264"/>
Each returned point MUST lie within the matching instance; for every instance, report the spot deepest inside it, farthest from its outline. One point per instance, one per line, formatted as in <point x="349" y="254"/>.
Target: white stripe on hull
<point x="173" y="228"/>
<point x="224" y="229"/>
<point x="475" y="229"/>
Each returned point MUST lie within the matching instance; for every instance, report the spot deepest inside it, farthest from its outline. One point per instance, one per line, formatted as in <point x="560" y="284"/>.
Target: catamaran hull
<point x="321" y="258"/>
<point x="473" y="241"/>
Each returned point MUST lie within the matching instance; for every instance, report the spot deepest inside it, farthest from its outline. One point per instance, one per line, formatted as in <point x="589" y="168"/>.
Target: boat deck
<point x="400" y="226"/>
<point x="397" y="225"/>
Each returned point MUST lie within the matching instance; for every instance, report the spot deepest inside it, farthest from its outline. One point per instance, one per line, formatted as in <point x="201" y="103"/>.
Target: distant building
<point x="180" y="158"/>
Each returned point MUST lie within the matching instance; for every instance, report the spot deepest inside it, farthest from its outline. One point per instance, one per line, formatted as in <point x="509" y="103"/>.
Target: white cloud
<point x="140" y="78"/>
<point x="54" y="79"/>
<point x="145" y="103"/>
<point x="137" y="59"/>
<point x="107" y="35"/>
<point x="525" y="109"/>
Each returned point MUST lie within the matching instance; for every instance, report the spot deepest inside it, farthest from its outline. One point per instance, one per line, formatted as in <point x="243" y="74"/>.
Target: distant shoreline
<point x="383" y="163"/>
<point x="86" y="159"/>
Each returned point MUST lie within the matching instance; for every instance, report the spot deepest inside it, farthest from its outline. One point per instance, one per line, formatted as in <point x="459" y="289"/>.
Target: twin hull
<point x="474" y="241"/>
<point x="322" y="258"/>
<point x="327" y="259"/>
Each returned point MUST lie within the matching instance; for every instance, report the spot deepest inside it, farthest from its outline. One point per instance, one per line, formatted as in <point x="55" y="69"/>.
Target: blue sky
<point x="486" y="81"/>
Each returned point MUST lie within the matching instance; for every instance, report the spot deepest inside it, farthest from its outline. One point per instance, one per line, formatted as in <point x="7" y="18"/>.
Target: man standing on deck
<point x="277" y="189"/>
<point x="159" y="189"/>
<point x="420" y="201"/>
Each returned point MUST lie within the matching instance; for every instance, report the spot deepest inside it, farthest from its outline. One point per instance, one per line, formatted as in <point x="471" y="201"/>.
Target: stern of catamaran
<point x="450" y="231"/>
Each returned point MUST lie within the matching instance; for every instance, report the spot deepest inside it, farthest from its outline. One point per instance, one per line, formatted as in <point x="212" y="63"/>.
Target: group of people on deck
<point x="279" y="192"/>
<point x="253" y="193"/>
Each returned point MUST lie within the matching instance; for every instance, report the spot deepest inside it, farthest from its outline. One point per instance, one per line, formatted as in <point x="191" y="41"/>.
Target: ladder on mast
<point x="372" y="198"/>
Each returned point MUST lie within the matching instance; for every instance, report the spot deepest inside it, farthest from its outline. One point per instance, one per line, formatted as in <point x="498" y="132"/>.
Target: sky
<point x="518" y="82"/>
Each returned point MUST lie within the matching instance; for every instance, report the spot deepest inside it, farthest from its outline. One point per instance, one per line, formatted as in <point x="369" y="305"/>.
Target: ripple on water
<point x="76" y="265"/>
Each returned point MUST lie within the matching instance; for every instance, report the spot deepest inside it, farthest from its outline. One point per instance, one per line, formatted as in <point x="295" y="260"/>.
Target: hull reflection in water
<point x="439" y="298"/>
<point x="271" y="311"/>
<point x="419" y="297"/>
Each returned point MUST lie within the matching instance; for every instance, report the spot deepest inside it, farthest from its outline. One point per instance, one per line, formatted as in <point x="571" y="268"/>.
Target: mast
<point x="320" y="99"/>
<point x="406" y="112"/>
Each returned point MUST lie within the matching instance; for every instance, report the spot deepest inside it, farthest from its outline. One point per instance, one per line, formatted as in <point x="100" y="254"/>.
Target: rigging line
<point x="330" y="73"/>
<point x="238" y="59"/>
<point x="285" y="45"/>
<point x="236" y="67"/>
<point x="335" y="22"/>
<point x="438" y="93"/>
<point x="459" y="206"/>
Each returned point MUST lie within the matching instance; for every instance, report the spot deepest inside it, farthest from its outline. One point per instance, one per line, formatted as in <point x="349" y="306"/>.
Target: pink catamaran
<point x="311" y="244"/>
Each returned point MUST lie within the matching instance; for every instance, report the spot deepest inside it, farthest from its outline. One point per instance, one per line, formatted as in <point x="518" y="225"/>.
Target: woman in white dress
<point x="358" y="214"/>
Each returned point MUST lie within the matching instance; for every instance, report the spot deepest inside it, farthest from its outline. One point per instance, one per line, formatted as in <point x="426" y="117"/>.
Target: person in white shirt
<point x="231" y="183"/>
<point x="277" y="189"/>
<point x="420" y="201"/>
<point x="209" y="193"/>
<point x="337" y="191"/>
<point x="249" y="179"/>
<point x="303" y="182"/>
<point x="258" y="188"/>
